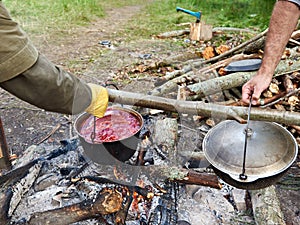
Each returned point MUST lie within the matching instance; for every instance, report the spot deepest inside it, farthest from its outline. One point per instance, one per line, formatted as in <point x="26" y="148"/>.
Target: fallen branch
<point x="50" y="134"/>
<point x="202" y="108"/>
<point x="281" y="97"/>
<point x="266" y="206"/>
<point x="231" y="29"/>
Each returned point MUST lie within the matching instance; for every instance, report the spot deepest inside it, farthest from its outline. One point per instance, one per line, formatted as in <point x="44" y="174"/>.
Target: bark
<point x="204" y="109"/>
<point x="199" y="178"/>
<point x="266" y="207"/>
<point x="105" y="203"/>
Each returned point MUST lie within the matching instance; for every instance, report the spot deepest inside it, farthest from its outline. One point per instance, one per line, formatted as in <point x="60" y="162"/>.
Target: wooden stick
<point x="105" y="203"/>
<point x="201" y="108"/>
<point x="203" y="179"/>
<point x="266" y="207"/>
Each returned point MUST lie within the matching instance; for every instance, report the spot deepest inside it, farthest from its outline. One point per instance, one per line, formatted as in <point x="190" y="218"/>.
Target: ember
<point x="115" y="125"/>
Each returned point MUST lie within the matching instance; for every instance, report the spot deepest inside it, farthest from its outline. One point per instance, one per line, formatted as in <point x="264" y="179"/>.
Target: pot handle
<point x="247" y="180"/>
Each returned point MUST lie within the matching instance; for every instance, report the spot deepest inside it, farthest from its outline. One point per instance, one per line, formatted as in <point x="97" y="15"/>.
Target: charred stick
<point x="121" y="215"/>
<point x="5" y="197"/>
<point x="182" y="176"/>
<point x="16" y="174"/>
<point x="105" y="203"/>
<point x="203" y="179"/>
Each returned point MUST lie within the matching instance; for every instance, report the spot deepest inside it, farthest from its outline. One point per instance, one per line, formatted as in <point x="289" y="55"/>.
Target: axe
<point x="196" y="14"/>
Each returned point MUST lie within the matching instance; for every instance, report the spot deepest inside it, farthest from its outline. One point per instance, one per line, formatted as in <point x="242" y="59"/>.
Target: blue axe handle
<point x="196" y="14"/>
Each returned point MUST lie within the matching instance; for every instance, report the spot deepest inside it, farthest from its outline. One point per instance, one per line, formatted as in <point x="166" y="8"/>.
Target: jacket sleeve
<point x="51" y="88"/>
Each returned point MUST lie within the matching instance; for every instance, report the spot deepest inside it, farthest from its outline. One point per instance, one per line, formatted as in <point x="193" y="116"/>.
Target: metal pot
<point x="271" y="150"/>
<point x="109" y="152"/>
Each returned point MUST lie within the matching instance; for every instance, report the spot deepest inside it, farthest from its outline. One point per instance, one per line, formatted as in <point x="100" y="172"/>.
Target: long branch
<point x="202" y="108"/>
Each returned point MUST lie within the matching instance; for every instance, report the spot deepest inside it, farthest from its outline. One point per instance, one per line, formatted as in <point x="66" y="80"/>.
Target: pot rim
<point x="83" y="116"/>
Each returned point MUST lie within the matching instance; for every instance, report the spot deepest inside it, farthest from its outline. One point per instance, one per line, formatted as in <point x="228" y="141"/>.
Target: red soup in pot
<point x="115" y="125"/>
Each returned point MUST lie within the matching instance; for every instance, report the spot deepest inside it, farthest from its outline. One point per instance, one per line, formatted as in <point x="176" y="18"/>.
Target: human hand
<point x="99" y="101"/>
<point x="255" y="86"/>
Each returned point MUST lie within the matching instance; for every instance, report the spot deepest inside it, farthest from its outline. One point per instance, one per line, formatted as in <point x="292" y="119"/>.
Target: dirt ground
<point x="27" y="125"/>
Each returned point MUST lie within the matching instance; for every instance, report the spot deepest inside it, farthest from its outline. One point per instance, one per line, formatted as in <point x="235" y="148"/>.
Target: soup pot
<point x="109" y="151"/>
<point x="271" y="150"/>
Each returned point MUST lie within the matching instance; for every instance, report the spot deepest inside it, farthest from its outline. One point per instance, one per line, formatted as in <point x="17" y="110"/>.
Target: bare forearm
<point x="283" y="22"/>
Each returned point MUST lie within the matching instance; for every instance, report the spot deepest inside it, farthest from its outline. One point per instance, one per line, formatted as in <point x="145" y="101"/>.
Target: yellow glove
<point x="99" y="101"/>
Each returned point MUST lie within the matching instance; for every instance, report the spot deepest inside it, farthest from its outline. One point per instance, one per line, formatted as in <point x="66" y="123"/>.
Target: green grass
<point x="40" y="16"/>
<point x="161" y="16"/>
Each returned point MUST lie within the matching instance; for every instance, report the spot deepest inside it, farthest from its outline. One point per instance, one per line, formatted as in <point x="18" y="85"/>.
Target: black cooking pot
<point x="271" y="150"/>
<point x="109" y="152"/>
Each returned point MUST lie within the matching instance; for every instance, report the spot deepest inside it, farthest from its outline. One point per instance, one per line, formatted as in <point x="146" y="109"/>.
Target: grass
<point x="40" y="16"/>
<point x="161" y="16"/>
<point x="43" y="15"/>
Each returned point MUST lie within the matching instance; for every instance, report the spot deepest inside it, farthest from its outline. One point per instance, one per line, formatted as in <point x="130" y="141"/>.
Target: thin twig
<point x="50" y="134"/>
<point x="282" y="98"/>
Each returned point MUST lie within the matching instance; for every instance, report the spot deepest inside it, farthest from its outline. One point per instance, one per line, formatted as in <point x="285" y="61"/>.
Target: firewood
<point x="288" y="84"/>
<point x="14" y="185"/>
<point x="121" y="215"/>
<point x="235" y="79"/>
<point x="218" y="30"/>
<point x="106" y="202"/>
<point x="175" y="33"/>
<point x="266" y="206"/>
<point x="201" y="108"/>
<point x="200" y="63"/>
<point x="101" y="180"/>
<point x="280" y="97"/>
<point x="172" y="85"/>
<point x="203" y="179"/>
<point x="168" y="87"/>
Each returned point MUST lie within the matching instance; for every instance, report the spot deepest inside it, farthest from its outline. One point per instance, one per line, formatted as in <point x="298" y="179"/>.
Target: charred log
<point x="106" y="202"/>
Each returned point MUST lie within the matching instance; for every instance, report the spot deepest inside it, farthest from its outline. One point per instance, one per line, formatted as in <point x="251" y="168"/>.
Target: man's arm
<point x="283" y="22"/>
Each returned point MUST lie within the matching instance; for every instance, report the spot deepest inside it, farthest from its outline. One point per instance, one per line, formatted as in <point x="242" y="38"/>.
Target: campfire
<point x="168" y="180"/>
<point x="63" y="186"/>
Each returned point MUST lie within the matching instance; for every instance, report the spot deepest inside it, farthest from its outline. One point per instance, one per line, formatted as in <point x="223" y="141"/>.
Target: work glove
<point x="99" y="101"/>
